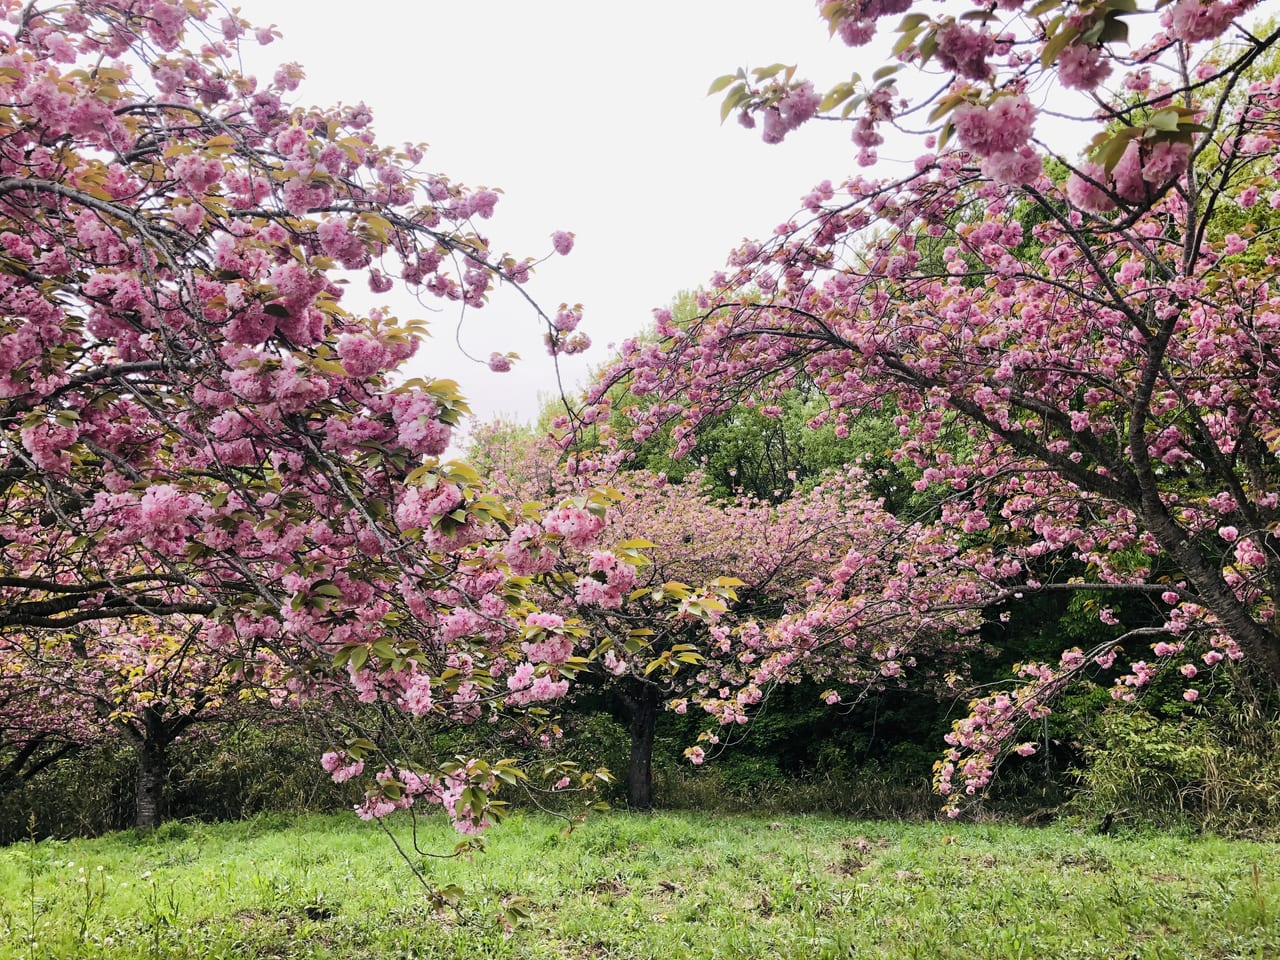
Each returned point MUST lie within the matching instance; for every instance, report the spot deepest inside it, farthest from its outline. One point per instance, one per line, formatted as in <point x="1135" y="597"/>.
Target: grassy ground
<point x="669" y="886"/>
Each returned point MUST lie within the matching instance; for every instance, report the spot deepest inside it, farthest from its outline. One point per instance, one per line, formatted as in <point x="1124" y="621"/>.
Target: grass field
<point x="667" y="886"/>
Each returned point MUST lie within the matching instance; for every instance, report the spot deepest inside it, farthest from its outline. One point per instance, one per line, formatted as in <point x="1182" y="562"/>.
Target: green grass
<point x="668" y="886"/>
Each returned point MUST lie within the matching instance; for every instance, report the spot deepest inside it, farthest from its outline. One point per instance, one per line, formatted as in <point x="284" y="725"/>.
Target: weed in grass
<point x="93" y="886"/>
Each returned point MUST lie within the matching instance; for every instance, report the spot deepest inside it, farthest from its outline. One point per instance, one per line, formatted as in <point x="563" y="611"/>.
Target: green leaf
<point x="769" y="72"/>
<point x="836" y="96"/>
<point x="378" y="226"/>
<point x="720" y="83"/>
<point x="944" y="136"/>
<point x="853" y="105"/>
<point x="737" y="96"/>
<point x="451" y="894"/>
<point x="944" y="107"/>
<point x="1090" y="35"/>
<point x="515" y="914"/>
<point x="1109" y="151"/>
<point x="461" y="472"/>
<point x="1114" y="30"/>
<point x="1057" y="42"/>
<point x="906" y="40"/>
<point x="329" y="366"/>
<point x="471" y="797"/>
<point x="928" y="46"/>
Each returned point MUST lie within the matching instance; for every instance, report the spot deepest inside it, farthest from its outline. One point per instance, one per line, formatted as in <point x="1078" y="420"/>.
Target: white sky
<point x="591" y="117"/>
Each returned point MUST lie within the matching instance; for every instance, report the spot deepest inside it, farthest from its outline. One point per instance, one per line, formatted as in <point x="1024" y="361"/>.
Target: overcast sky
<point x="591" y="117"/>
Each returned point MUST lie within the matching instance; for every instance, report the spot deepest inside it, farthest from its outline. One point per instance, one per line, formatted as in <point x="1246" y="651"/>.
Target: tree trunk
<point x="152" y="770"/>
<point x="644" y="720"/>
<point x="1259" y="643"/>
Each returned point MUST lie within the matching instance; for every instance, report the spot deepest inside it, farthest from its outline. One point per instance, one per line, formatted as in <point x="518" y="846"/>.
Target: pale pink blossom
<point x="1088" y="194"/>
<point x="1082" y="67"/>
<point x="562" y="240"/>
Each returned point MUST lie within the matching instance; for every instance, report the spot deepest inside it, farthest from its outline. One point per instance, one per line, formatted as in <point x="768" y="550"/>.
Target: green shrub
<point x="595" y="740"/>
<point x="1213" y="766"/>
<point x="84" y="795"/>
<point x="1144" y="765"/>
<point x="873" y="790"/>
<point x="246" y="770"/>
<point x="250" y="770"/>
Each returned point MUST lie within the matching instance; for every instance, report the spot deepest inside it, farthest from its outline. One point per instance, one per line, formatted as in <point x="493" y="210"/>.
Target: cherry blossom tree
<point x="1080" y="354"/>
<point x="150" y="684"/>
<point x="628" y="605"/>
<point x="193" y="424"/>
<point x="38" y="726"/>
<point x="708" y="567"/>
<point x="697" y="602"/>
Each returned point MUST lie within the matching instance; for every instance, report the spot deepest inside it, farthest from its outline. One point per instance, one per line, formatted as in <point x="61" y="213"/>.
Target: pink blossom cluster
<point x="562" y="240"/>
<point x="420" y="507"/>
<point x="399" y="789"/>
<point x="1143" y="171"/>
<point x="340" y="766"/>
<point x="998" y="133"/>
<point x="964" y="51"/>
<point x="855" y="20"/>
<point x="1081" y="66"/>
<point x="528" y="685"/>
<point x="547" y="642"/>
<point x="578" y="526"/>
<point x="796" y="105"/>
<point x="607" y="582"/>
<point x="527" y="552"/>
<point x="1193" y="21"/>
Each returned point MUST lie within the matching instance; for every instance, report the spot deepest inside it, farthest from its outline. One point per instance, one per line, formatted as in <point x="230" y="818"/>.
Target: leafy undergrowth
<point x="667" y="886"/>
